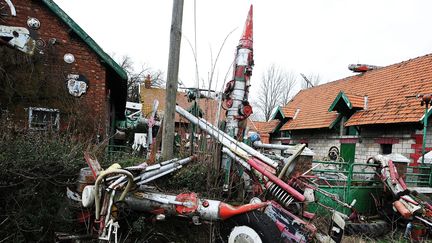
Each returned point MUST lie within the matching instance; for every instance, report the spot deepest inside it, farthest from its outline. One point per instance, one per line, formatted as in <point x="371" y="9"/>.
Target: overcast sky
<point x="310" y="36"/>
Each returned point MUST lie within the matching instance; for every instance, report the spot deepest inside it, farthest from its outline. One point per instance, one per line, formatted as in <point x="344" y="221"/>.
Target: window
<point x="386" y="148"/>
<point x="351" y="131"/>
<point x="44" y="119"/>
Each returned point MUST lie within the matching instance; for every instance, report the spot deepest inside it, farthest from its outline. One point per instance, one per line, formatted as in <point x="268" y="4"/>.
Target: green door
<point x="347" y="151"/>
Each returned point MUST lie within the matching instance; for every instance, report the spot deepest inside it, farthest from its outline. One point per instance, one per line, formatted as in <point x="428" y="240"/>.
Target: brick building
<point x="208" y="108"/>
<point x="54" y="75"/>
<point x="363" y="115"/>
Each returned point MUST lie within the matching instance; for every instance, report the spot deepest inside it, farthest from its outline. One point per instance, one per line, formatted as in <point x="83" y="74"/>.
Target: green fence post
<point x="430" y="176"/>
<point x="349" y="180"/>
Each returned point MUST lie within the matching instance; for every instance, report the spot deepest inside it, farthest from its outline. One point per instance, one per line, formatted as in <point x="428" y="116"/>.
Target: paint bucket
<point x="418" y="231"/>
<point x="85" y="178"/>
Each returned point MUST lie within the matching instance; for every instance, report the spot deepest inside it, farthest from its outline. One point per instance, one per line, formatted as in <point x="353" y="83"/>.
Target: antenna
<point x="308" y="82"/>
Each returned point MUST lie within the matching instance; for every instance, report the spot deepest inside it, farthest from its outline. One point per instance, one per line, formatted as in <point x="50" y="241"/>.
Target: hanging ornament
<point x="33" y="23"/>
<point x="69" y="58"/>
<point x="77" y="84"/>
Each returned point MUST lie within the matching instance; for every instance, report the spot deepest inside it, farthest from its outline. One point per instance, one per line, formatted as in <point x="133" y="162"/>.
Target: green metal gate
<point x="342" y="180"/>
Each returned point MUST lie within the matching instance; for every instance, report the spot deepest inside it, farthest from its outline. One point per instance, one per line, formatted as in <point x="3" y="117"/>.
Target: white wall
<point x="320" y="141"/>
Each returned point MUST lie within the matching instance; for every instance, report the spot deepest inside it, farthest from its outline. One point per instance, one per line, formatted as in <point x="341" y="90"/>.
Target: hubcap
<point x="244" y="234"/>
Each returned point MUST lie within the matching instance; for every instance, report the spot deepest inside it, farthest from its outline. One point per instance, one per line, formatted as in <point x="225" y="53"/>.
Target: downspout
<point x="425" y="123"/>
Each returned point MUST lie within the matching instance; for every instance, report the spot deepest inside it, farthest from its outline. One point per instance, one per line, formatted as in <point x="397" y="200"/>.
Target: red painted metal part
<point x="297" y="195"/>
<point x="393" y="173"/>
<point x="402" y="183"/>
<point x="187" y="197"/>
<point x="402" y="209"/>
<point x="229" y="102"/>
<point x="246" y="110"/>
<point x="247" y="38"/>
<point x="227" y="211"/>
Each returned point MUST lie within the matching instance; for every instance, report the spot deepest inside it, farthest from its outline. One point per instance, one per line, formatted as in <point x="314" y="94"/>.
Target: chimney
<point x="366" y="102"/>
<point x="147" y="82"/>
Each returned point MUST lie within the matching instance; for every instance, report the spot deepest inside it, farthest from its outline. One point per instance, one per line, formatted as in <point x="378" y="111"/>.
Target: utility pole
<point x="172" y="81"/>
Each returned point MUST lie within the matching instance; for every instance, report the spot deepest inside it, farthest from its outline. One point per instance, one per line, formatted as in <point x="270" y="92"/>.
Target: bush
<point x="35" y="169"/>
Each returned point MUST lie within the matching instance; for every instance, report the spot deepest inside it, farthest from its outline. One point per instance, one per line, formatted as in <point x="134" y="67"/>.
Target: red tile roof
<point x="208" y="106"/>
<point x="357" y="101"/>
<point x="288" y="111"/>
<point x="262" y="127"/>
<point x="391" y="94"/>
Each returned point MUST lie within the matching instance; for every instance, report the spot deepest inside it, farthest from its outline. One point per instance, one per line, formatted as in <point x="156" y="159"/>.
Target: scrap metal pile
<point x="278" y="214"/>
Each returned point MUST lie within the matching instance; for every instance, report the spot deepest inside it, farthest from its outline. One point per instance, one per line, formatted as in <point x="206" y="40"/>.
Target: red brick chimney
<point x="147" y="82"/>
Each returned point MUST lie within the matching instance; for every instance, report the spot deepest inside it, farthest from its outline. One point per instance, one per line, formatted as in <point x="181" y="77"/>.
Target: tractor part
<point x="280" y="195"/>
<point x="274" y="179"/>
<point x="187" y="205"/>
<point x="404" y="203"/>
<point x="291" y="227"/>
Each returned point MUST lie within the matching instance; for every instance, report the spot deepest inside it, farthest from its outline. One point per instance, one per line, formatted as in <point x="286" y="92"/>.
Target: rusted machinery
<point x="410" y="207"/>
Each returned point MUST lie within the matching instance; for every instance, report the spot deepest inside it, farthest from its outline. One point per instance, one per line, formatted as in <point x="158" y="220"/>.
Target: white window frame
<point x="45" y="125"/>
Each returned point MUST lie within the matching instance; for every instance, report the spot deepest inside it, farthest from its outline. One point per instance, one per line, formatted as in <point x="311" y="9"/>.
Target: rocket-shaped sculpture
<point x="236" y="91"/>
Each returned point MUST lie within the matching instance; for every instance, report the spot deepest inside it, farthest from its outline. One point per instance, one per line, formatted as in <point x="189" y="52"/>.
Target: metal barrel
<point x="85" y="178"/>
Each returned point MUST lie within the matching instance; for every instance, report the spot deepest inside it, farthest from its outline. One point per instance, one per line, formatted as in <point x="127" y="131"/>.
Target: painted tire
<point x="370" y="229"/>
<point x="249" y="227"/>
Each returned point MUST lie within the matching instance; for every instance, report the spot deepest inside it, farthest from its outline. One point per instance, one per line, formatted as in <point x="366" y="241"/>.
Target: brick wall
<point x="404" y="139"/>
<point x="86" y="61"/>
<point x="417" y="146"/>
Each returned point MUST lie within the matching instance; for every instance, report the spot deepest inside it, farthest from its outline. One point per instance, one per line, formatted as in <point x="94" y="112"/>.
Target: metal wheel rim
<point x="244" y="234"/>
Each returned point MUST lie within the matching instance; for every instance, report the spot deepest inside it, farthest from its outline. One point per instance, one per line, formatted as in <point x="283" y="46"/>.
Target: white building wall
<point x="320" y="141"/>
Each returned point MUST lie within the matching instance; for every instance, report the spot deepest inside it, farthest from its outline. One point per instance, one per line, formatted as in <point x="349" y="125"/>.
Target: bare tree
<point x="136" y="77"/>
<point x="310" y="80"/>
<point x="290" y="82"/>
<point x="275" y="90"/>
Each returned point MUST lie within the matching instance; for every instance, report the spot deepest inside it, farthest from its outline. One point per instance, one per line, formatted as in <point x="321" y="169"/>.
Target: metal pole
<point x="425" y="122"/>
<point x="238" y="93"/>
<point x="172" y="81"/>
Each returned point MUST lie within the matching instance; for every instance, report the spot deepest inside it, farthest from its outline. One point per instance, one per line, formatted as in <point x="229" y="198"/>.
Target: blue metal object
<point x="254" y="137"/>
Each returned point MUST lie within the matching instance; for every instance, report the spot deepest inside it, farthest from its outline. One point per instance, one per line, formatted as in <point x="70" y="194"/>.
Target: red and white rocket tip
<point x="246" y="40"/>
